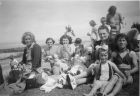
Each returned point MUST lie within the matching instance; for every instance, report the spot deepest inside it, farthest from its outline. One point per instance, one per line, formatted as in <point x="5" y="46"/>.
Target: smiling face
<point x="103" y="34"/>
<point x="65" y="41"/>
<point x="28" y="40"/>
<point x="103" y="56"/>
<point x="50" y="43"/>
<point x="122" y="43"/>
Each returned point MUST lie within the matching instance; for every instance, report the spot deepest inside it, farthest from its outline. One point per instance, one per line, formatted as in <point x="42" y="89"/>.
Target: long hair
<point x="112" y="10"/>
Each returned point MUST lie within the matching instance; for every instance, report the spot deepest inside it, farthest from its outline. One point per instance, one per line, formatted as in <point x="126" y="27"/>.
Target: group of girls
<point x="108" y="62"/>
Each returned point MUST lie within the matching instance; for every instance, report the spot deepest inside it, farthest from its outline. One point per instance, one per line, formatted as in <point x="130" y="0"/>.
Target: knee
<point x="114" y="79"/>
<point x="120" y="80"/>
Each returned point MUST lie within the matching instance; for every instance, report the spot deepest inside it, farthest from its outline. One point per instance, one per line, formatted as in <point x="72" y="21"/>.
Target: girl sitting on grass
<point x="47" y="55"/>
<point x="103" y="73"/>
<point x="65" y="53"/>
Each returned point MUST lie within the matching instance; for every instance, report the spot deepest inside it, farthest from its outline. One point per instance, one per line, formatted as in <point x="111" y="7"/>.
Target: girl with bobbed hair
<point x="48" y="53"/>
<point x="32" y="52"/>
<point x="67" y="48"/>
<point x="32" y="37"/>
<point x="65" y="52"/>
<point x="65" y="36"/>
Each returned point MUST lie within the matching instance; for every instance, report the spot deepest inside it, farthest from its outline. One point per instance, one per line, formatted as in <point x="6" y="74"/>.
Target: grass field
<point x="130" y="90"/>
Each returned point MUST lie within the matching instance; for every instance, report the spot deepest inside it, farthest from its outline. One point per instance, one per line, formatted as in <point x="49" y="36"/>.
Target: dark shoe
<point x="69" y="81"/>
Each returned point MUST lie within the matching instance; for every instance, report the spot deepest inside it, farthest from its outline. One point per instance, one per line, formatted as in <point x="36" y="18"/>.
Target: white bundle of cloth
<point x="52" y="82"/>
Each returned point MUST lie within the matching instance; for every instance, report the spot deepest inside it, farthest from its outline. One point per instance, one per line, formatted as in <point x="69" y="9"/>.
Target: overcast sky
<point x="48" y="18"/>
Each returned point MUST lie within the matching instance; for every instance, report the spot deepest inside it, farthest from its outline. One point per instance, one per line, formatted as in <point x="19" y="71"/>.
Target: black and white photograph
<point x="69" y="47"/>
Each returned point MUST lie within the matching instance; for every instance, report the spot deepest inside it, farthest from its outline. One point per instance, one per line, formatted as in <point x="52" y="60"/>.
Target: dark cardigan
<point x="36" y="56"/>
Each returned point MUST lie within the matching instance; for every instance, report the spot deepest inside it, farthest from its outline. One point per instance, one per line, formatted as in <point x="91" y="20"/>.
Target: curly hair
<point x="122" y="35"/>
<point x="27" y="34"/>
<point x="50" y="39"/>
<point x="78" y="41"/>
<point x="65" y="36"/>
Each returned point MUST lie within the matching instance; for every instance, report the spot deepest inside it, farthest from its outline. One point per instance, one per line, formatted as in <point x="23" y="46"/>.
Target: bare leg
<point x="81" y="81"/>
<point x="110" y="85"/>
<point x="117" y="87"/>
<point x="104" y="86"/>
<point x="93" y="91"/>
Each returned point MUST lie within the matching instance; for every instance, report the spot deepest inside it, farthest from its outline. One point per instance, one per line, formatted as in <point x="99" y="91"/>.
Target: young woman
<point x="48" y="53"/>
<point x="65" y="53"/>
<point x="67" y="49"/>
<point x="32" y="52"/>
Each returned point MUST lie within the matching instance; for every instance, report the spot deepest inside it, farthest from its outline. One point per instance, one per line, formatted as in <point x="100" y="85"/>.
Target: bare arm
<point x="115" y="68"/>
<point x="134" y="61"/>
<point x="121" y="18"/>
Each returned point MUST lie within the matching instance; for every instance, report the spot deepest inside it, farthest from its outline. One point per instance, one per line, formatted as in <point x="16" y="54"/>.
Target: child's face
<point x="65" y="41"/>
<point x="49" y="43"/>
<point x="103" y="56"/>
<point x="103" y="34"/>
<point x="28" y="40"/>
<point x="103" y="21"/>
<point x="92" y="23"/>
<point x="122" y="43"/>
